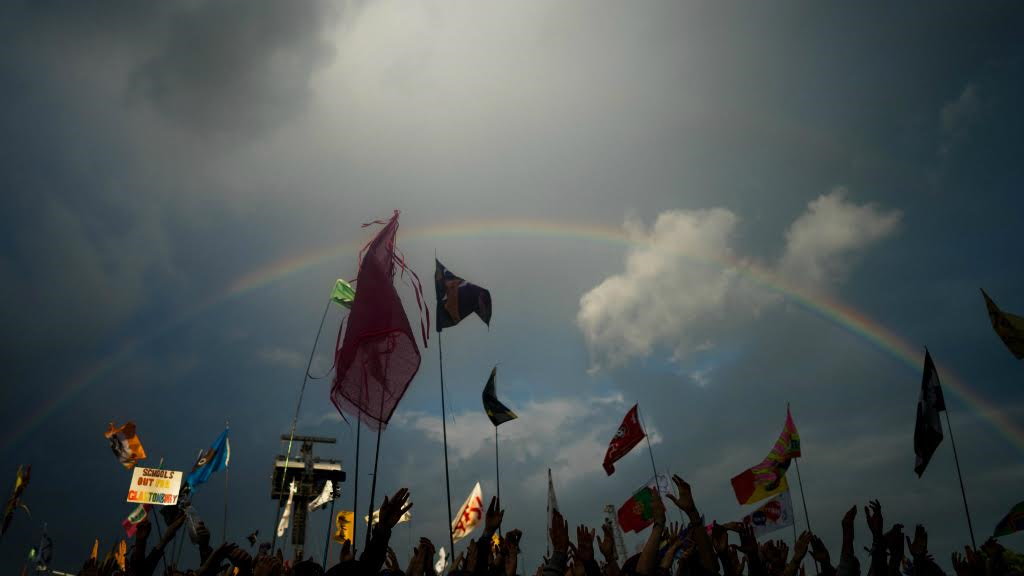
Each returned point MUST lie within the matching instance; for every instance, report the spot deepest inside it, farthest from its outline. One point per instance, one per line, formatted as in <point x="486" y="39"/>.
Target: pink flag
<point x="378" y="356"/>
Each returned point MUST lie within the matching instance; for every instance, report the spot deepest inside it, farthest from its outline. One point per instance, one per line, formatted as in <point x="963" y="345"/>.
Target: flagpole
<point x="156" y="522"/>
<point x="649" y="449"/>
<point x="807" y="518"/>
<point x="327" y="541"/>
<point x="497" y="470"/>
<point x="376" y="458"/>
<point x="355" y="489"/>
<point x="963" y="494"/>
<point x="295" y="419"/>
<point x="444" y="436"/>
<point x="227" y="425"/>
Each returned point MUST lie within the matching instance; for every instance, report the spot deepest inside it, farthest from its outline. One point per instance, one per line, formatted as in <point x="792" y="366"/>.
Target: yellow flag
<point x="95" y="554"/>
<point x="343" y="522"/>
<point x="122" y="552"/>
<point x="1009" y="327"/>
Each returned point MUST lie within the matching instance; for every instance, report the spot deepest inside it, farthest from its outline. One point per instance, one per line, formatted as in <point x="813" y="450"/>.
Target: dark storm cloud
<point x="237" y="66"/>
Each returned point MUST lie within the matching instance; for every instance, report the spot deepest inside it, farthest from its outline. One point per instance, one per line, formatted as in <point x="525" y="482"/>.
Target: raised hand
<point x="607" y="543"/>
<point x="392" y="510"/>
<point x="685" y="498"/>
<point x="894" y="540"/>
<point x="719" y="538"/>
<point x="202" y="534"/>
<point x="241" y="560"/>
<point x="268" y="565"/>
<point x="748" y="542"/>
<point x="849" y="517"/>
<point x="873" y="516"/>
<point x="584" y="544"/>
<point x="559" y="533"/>
<point x="800" y="548"/>
<point x="819" y="552"/>
<point x="348" y="553"/>
<point x="675" y="530"/>
<point x="390" y="560"/>
<point x="658" y="509"/>
<point x="494" y="516"/>
<point x="919" y="546"/>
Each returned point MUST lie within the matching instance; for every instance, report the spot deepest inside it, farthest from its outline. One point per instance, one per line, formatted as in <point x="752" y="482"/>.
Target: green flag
<point x="496" y="411"/>
<point x="343" y="294"/>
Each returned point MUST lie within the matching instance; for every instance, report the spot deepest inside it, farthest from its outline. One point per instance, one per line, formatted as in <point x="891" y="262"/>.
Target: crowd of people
<point x="670" y="549"/>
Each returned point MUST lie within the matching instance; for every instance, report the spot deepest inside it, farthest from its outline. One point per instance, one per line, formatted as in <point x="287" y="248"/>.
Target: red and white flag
<point x="469" y="515"/>
<point x="629" y="434"/>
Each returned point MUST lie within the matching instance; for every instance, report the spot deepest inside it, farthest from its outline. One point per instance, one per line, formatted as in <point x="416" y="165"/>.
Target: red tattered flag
<point x="629" y="434"/>
<point x="378" y="357"/>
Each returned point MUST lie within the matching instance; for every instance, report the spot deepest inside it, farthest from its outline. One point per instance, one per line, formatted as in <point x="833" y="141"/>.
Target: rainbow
<point x="826" y="307"/>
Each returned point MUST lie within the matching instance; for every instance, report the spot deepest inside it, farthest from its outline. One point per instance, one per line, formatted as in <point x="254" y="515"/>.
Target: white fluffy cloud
<point x="683" y="283"/>
<point x="820" y="243"/>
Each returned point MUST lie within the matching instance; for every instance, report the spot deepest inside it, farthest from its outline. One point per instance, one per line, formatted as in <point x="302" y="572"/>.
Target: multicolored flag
<point x="131" y="523"/>
<point x="215" y="458"/>
<point x="125" y="444"/>
<point x="928" y="427"/>
<point x="496" y="411"/>
<point x="343" y="294"/>
<point x="457" y="298"/>
<point x="772" y="515"/>
<point x="1009" y="327"/>
<point x="769" y="477"/>
<point x="1012" y="522"/>
<point x="469" y="514"/>
<point x="629" y="434"/>
<point x="21" y="479"/>
<point x="378" y="357"/>
<point x="638" y="512"/>
<point x="343" y="523"/>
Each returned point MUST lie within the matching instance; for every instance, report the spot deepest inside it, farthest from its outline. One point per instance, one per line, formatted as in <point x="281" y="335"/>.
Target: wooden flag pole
<point x="444" y="436"/>
<point x="956" y="459"/>
<point x="295" y="420"/>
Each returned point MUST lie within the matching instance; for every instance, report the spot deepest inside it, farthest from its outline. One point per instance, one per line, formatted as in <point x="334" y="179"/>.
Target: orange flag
<point x="125" y="444"/>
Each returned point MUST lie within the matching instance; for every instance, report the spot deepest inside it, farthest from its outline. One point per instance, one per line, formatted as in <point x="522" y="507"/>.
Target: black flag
<point x="496" y="411"/>
<point x="928" y="430"/>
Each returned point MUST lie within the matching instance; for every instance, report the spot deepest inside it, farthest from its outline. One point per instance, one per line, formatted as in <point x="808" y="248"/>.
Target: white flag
<point x="772" y="515"/>
<point x="376" y="517"/>
<point x="469" y="515"/>
<point x="442" y="561"/>
<point x="282" y="526"/>
<point x="326" y="495"/>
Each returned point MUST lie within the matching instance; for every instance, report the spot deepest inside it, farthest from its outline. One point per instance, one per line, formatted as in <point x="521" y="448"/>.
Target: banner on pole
<point x="772" y="515"/>
<point x="154" y="486"/>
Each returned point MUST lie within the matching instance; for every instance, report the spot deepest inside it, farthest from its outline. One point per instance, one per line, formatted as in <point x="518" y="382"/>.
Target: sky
<point x="710" y="210"/>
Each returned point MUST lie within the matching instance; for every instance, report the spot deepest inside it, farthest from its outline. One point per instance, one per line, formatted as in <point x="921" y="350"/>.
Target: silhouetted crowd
<point x="670" y="549"/>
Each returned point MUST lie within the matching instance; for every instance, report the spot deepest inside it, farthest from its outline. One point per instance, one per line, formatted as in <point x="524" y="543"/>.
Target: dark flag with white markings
<point x="928" y="430"/>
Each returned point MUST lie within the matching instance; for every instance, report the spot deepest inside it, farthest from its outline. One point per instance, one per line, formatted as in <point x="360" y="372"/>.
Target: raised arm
<point x="648" y="561"/>
<point x="686" y="503"/>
